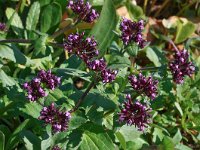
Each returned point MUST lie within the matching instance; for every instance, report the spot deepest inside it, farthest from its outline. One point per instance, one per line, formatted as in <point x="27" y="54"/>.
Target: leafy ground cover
<point x="99" y="74"/>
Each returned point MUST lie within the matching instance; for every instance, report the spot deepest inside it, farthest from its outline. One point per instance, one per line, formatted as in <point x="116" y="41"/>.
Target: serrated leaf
<point x="130" y="133"/>
<point x="32" y="109"/>
<point x="16" y="22"/>
<point x="100" y="141"/>
<point x="103" y="29"/>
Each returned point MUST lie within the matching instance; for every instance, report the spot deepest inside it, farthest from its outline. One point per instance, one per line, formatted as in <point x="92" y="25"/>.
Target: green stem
<point x="56" y="45"/>
<point x="29" y="42"/>
<point x="16" y="41"/>
<point x="149" y="68"/>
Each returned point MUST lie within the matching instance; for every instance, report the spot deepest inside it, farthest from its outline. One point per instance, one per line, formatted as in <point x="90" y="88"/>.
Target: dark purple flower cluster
<point x="35" y="88"/>
<point x="97" y="64"/>
<point x="148" y="86"/>
<point x="83" y="10"/>
<point x="181" y="66"/>
<point x="51" y="115"/>
<point x="56" y="148"/>
<point x="84" y="48"/>
<point x="108" y="75"/>
<point x="87" y="51"/>
<point x="135" y="114"/>
<point x="132" y="31"/>
<point x="49" y="79"/>
<point x="2" y="26"/>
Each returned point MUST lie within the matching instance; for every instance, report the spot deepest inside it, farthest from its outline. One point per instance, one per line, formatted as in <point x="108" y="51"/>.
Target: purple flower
<point x="148" y="86"/>
<point x="56" y="148"/>
<point x="49" y="79"/>
<point x="83" y="10"/>
<point x="97" y="65"/>
<point x="132" y="32"/>
<point x="2" y="26"/>
<point x="84" y="48"/>
<point x="34" y="89"/>
<point x="181" y="66"/>
<point x="108" y="75"/>
<point x="135" y="114"/>
<point x="51" y="115"/>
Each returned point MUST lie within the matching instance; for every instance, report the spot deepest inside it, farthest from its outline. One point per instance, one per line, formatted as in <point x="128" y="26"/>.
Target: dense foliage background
<point x="95" y="126"/>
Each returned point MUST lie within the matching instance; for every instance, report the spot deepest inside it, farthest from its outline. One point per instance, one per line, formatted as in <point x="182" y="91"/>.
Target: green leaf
<point x="76" y="121"/>
<point x="130" y="133"/>
<point x="40" y="48"/>
<point x="137" y="144"/>
<point x="179" y="108"/>
<point x="108" y="121"/>
<point x="153" y="57"/>
<point x="32" y="142"/>
<point x="44" y="2"/>
<point x="167" y="143"/>
<point x="2" y="141"/>
<point x="177" y="137"/>
<point x="33" y="16"/>
<point x="14" y="138"/>
<point x="51" y="17"/>
<point x="184" y="30"/>
<point x="158" y="135"/>
<point x="116" y="62"/>
<point x="16" y="22"/>
<point x="182" y="147"/>
<point x="103" y="29"/>
<point x="121" y="139"/>
<point x="32" y="109"/>
<point x="134" y="11"/>
<point x="96" y="2"/>
<point x="12" y="53"/>
<point x="132" y="50"/>
<point x="96" y="98"/>
<point x="100" y="141"/>
<point x="6" y="80"/>
<point x="6" y="131"/>
<point x="72" y="72"/>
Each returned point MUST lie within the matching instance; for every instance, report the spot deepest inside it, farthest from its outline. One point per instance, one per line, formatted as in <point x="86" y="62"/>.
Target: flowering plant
<point x="82" y="75"/>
